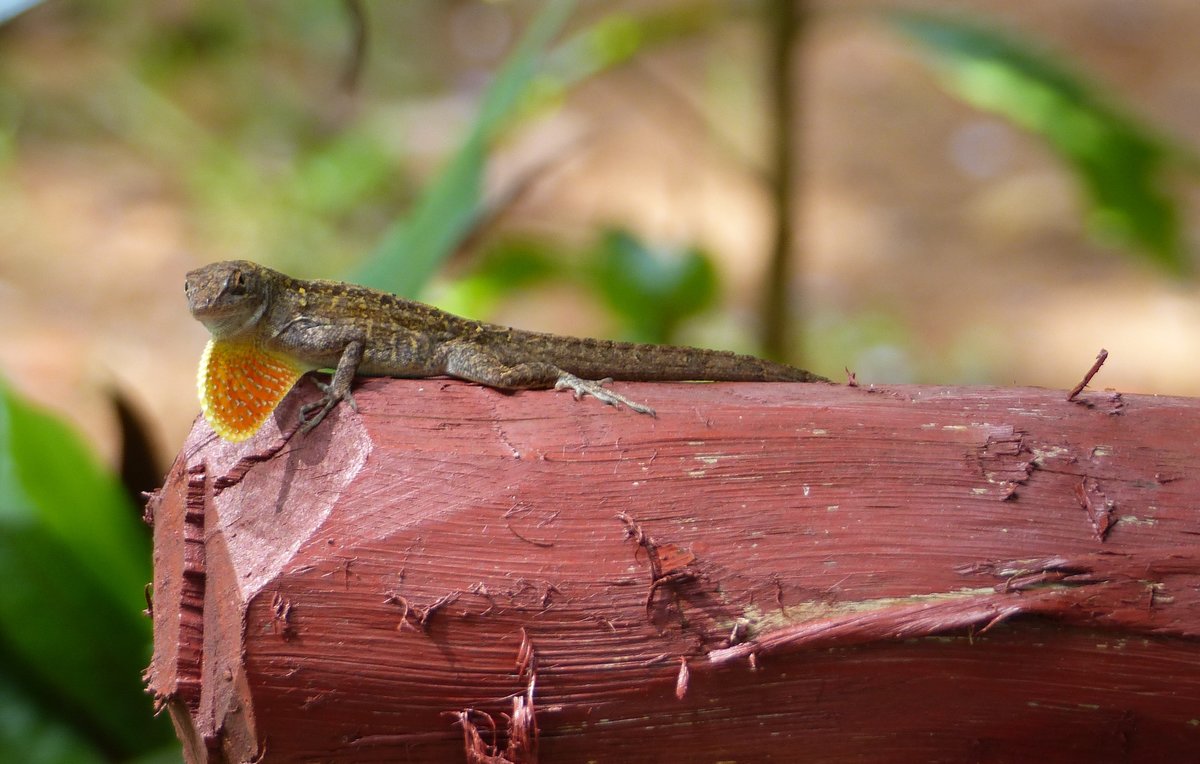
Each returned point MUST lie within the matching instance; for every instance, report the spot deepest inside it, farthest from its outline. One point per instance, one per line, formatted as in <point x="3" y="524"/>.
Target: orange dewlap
<point x="240" y="385"/>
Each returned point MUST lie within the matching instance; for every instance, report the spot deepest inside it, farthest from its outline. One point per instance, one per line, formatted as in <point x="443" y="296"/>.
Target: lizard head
<point x="240" y="382"/>
<point x="229" y="297"/>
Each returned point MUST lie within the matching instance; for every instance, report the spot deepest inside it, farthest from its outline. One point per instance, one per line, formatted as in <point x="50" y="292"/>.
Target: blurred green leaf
<point x="1118" y="160"/>
<point x="652" y="290"/>
<point x="620" y="36"/>
<point x="506" y="266"/>
<point x="74" y="562"/>
<point x="31" y="736"/>
<point x="413" y="249"/>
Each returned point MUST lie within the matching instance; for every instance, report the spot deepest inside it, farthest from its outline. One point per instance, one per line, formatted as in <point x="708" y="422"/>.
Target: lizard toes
<point x="321" y="407"/>
<point x="565" y="383"/>
<point x="308" y="408"/>
<point x="596" y="389"/>
<point x="306" y="425"/>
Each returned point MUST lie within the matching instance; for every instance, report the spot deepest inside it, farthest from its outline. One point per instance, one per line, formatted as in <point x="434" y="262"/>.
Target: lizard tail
<point x="593" y="359"/>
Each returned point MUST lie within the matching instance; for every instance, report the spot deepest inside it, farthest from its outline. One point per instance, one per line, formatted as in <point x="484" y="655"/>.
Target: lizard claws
<point x="323" y="406"/>
<point x="597" y="389"/>
<point x="328" y="390"/>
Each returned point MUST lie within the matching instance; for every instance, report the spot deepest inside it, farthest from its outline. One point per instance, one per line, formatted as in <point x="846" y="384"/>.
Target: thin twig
<point x="1100" y="359"/>
<point x="358" y="45"/>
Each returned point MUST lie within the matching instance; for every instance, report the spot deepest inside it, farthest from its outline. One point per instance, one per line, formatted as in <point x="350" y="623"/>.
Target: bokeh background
<point x="978" y="192"/>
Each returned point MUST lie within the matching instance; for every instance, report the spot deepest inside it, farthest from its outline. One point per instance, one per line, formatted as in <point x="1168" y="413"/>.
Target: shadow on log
<point x="762" y="572"/>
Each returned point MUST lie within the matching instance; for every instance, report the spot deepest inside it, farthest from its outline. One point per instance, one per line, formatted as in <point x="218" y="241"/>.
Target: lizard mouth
<point x="227" y="320"/>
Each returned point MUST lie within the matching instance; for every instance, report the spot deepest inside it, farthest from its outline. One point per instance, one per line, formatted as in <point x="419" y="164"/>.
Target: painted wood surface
<point x="764" y="572"/>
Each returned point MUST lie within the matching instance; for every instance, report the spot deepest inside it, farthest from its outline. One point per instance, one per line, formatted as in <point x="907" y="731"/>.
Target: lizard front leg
<point x="338" y="388"/>
<point x="468" y="361"/>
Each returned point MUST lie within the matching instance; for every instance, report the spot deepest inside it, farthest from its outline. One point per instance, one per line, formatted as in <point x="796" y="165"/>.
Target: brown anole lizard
<point x="269" y="329"/>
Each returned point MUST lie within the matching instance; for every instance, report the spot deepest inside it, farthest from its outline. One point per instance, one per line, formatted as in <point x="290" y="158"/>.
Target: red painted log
<point x="762" y="572"/>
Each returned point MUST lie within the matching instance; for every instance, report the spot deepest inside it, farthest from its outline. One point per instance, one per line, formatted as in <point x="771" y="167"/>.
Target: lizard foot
<point x="597" y="389"/>
<point x="309" y="419"/>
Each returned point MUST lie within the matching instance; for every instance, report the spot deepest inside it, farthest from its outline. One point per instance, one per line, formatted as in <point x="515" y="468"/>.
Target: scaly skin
<point x="268" y="329"/>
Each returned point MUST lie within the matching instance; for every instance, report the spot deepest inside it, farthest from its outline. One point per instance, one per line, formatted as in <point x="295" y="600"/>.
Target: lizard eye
<point x="237" y="283"/>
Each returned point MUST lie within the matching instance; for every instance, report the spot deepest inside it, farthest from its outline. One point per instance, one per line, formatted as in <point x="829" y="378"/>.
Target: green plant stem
<point x="783" y="23"/>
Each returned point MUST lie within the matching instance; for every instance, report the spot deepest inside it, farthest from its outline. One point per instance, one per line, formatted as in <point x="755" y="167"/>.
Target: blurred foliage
<point x="235" y="105"/>
<point x="451" y="207"/>
<point x="619" y="37"/>
<point x="72" y="632"/>
<point x="446" y="212"/>
<point x="1119" y="161"/>
<point x="29" y="732"/>
<point x="651" y="291"/>
<point x="504" y="267"/>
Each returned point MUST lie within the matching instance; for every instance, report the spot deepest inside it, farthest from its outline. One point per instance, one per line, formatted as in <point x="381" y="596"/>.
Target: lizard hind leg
<point x="596" y="389"/>
<point x="470" y="362"/>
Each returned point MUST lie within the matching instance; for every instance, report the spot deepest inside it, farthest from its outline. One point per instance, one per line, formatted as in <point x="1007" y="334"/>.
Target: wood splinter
<point x="1101" y="357"/>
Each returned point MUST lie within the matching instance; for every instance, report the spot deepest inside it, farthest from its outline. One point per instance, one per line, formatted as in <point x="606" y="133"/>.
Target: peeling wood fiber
<point x="763" y="572"/>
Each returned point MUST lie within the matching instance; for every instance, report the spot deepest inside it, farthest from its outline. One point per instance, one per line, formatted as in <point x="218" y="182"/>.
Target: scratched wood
<point x="764" y="572"/>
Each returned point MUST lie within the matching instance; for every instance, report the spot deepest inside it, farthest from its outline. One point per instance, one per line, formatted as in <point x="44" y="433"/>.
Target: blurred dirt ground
<point x="939" y="244"/>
